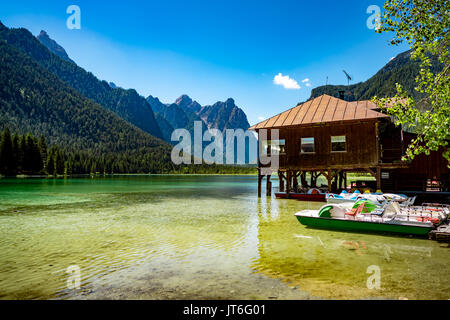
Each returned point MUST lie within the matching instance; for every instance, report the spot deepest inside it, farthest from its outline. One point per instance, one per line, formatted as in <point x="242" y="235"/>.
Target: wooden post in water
<point x="268" y="186"/>
<point x="340" y="180"/>
<point x="260" y="177"/>
<point x="345" y="181"/>
<point x="280" y="177"/>
<point x="303" y="179"/>
<point x="288" y="184"/>
<point x="295" y="181"/>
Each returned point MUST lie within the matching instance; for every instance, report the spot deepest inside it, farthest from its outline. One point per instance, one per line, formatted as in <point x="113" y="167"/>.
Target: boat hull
<point x="362" y="226"/>
<point x="302" y="196"/>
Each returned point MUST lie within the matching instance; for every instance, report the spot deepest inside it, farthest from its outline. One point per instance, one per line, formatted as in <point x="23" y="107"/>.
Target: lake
<point x="194" y="237"/>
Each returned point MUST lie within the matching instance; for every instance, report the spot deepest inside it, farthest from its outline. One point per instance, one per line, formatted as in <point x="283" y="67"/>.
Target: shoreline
<point x="24" y="176"/>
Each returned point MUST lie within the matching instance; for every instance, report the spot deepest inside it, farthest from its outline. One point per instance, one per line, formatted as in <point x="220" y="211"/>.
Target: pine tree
<point x="21" y="154"/>
<point x="51" y="162"/>
<point x="16" y="151"/>
<point x="43" y="151"/>
<point x="7" y="165"/>
<point x="59" y="162"/>
<point x="94" y="168"/>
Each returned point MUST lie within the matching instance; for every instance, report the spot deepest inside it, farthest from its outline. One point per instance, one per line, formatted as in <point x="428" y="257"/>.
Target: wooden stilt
<point x="281" y="179"/>
<point x="304" y="182"/>
<point x="288" y="184"/>
<point x="330" y="176"/>
<point x="268" y="186"/>
<point x="345" y="180"/>
<point x="295" y="181"/>
<point x="260" y="177"/>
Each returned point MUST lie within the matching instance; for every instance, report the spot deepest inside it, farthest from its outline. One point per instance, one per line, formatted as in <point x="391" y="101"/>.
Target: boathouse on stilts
<point x="331" y="137"/>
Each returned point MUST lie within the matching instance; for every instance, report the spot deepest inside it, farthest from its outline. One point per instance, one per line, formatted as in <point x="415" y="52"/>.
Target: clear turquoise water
<point x="194" y="237"/>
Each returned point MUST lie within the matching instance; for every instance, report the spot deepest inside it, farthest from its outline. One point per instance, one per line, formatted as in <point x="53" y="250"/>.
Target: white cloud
<point x="286" y="82"/>
<point x="261" y="118"/>
<point x="307" y="82"/>
<point x="391" y="58"/>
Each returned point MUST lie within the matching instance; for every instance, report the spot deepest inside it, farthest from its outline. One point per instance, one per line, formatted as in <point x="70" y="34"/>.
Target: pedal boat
<point x="344" y="218"/>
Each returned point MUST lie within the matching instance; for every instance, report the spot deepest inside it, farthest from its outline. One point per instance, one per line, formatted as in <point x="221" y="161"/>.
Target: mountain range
<point x="44" y="92"/>
<point x="184" y="112"/>
<point x="130" y="106"/>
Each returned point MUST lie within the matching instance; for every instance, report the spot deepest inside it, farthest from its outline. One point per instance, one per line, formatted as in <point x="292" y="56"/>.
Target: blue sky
<point x="213" y="50"/>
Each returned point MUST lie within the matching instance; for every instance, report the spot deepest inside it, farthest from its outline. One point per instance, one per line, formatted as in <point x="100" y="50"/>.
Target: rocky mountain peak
<point x="43" y="34"/>
<point x="183" y="101"/>
<point x="230" y="101"/>
<point x="53" y="46"/>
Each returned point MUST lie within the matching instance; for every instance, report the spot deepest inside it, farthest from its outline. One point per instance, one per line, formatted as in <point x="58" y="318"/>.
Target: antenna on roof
<point x="348" y="77"/>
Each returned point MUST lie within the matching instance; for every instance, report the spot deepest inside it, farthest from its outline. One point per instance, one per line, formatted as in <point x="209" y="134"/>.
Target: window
<point x="338" y="144"/>
<point x="307" y="145"/>
<point x="276" y="146"/>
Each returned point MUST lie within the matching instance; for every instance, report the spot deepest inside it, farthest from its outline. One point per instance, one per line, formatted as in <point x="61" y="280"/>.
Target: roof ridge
<point x="305" y="109"/>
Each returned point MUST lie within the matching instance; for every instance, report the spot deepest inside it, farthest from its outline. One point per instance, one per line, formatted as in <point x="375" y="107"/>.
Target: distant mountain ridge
<point x="185" y="111"/>
<point x="400" y="69"/>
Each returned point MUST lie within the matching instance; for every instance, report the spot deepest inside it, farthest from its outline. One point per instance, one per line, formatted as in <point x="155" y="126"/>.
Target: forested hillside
<point x="401" y="70"/>
<point x="126" y="103"/>
<point x="83" y="136"/>
<point x="34" y="100"/>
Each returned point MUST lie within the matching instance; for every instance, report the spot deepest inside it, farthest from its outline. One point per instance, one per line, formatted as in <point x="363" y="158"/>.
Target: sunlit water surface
<point x="194" y="237"/>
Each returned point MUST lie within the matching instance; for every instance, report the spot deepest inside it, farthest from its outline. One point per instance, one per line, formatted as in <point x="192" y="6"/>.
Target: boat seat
<point x="355" y="211"/>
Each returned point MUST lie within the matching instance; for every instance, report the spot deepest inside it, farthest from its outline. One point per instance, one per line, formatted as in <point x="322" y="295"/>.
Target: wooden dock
<point x="441" y="234"/>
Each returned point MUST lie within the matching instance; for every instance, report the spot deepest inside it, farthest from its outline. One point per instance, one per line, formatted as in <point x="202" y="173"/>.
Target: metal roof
<point x="323" y="109"/>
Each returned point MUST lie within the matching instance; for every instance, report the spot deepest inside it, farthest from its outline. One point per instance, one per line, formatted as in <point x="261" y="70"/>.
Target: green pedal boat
<point x="390" y="220"/>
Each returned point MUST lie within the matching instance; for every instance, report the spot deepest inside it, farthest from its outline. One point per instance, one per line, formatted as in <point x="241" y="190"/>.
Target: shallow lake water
<point x="195" y="237"/>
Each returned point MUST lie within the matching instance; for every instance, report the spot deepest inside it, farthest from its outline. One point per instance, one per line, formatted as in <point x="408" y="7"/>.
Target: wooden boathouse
<point x="331" y="137"/>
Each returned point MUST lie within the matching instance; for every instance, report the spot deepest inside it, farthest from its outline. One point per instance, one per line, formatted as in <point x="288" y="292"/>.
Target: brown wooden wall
<point x="432" y="166"/>
<point x="391" y="145"/>
<point x="421" y="169"/>
<point x="361" y="146"/>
